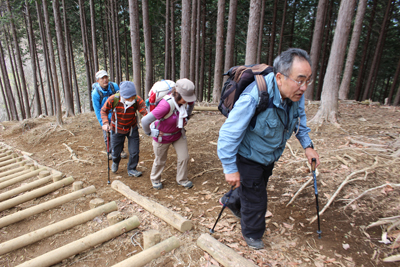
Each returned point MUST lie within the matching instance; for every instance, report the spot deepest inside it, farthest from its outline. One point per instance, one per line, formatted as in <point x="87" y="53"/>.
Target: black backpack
<point x="239" y="77"/>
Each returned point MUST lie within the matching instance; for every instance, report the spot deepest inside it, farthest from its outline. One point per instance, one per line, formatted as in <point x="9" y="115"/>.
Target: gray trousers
<point x="117" y="145"/>
<point x="161" y="152"/>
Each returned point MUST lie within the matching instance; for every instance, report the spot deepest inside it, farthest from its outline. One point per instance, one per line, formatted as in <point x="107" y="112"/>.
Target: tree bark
<point x="94" y="43"/>
<point x="67" y="51"/>
<point x="219" y="52"/>
<point x="272" y="36"/>
<point x="293" y="22"/>
<point x="351" y="55"/>
<point x="7" y="86"/>
<point x="103" y="35"/>
<point x="202" y="83"/>
<point x="41" y="83"/>
<point x="167" y="56"/>
<point x="316" y="46"/>
<point x="126" y="33"/>
<point x="282" y="28"/>
<point x="148" y="47"/>
<point x="230" y="35"/>
<point x="329" y="99"/>
<point x="193" y="30"/>
<point x="197" y="54"/>
<point x="374" y="64"/>
<point x="19" y="64"/>
<point x="135" y="43"/>
<point x="260" y="33"/>
<point x="173" y="45"/>
<point x="252" y="32"/>
<point x="56" y="94"/>
<point x="48" y="103"/>
<point x="5" y="101"/>
<point x="185" y="39"/>
<point x="69" y="105"/>
<point x="396" y="101"/>
<point x="395" y="78"/>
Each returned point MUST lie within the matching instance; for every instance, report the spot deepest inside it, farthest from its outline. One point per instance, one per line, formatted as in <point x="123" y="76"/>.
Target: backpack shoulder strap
<point x="115" y="100"/>
<point x="112" y="88"/>
<point x="96" y="87"/>
<point x="169" y="100"/>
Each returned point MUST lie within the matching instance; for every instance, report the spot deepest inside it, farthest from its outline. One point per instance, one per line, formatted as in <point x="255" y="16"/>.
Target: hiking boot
<point x="124" y="155"/>
<point x="156" y="185"/>
<point x="114" y="167"/>
<point x="134" y="173"/>
<point x="234" y="211"/>
<point x="187" y="184"/>
<point x="254" y="243"/>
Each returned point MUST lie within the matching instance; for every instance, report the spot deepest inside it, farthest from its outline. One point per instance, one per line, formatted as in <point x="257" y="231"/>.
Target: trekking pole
<point x="313" y="162"/>
<point x="108" y="156"/>
<point x="223" y="207"/>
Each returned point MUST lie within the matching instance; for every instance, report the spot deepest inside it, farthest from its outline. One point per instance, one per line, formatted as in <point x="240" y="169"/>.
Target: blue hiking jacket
<point x="266" y="141"/>
<point x="98" y="102"/>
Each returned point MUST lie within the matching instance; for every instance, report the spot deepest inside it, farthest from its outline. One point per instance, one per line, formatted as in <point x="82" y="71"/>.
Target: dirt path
<point x="364" y="140"/>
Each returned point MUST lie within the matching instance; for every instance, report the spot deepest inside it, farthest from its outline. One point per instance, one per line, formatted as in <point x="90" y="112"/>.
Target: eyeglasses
<point x="300" y="83"/>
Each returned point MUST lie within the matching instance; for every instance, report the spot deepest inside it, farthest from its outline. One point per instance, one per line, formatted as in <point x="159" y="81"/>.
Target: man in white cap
<point x="101" y="90"/>
<point x="124" y="125"/>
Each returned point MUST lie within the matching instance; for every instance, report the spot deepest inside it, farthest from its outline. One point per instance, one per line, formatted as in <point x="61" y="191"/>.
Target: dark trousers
<point x="117" y="145"/>
<point x="251" y="197"/>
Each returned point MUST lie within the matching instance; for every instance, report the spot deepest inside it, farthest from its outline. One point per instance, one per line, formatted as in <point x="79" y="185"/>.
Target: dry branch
<point x="203" y="172"/>
<point x="299" y="191"/>
<point x="74" y="157"/>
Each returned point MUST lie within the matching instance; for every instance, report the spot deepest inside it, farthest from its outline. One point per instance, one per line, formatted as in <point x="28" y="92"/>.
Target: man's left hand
<point x="310" y="154"/>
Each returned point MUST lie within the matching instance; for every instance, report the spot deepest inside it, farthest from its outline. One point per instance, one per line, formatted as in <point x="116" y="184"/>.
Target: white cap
<point x="100" y="74"/>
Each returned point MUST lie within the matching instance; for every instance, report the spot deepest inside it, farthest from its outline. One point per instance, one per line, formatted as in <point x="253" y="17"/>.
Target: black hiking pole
<point x="313" y="162"/>
<point x="108" y="156"/>
<point x="223" y="207"/>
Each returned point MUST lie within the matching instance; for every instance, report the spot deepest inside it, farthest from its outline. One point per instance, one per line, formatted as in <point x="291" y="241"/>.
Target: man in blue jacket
<point x="101" y="90"/>
<point x="248" y="150"/>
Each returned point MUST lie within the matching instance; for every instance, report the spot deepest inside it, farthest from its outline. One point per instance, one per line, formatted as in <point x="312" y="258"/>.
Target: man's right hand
<point x="106" y="127"/>
<point x="233" y="179"/>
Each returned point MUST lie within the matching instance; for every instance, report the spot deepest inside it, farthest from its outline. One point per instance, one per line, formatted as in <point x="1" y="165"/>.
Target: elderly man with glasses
<point x="248" y="147"/>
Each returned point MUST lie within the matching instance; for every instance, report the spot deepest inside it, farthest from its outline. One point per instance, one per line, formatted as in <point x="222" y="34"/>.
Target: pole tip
<point x="319" y="232"/>
<point x="108" y="182"/>
<point x="211" y="231"/>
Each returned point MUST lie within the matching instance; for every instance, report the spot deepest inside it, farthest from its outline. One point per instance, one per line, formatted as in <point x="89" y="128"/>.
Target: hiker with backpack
<point x="101" y="90"/>
<point x="124" y="105"/>
<point x="249" y="144"/>
<point x="157" y="92"/>
<point x="169" y="117"/>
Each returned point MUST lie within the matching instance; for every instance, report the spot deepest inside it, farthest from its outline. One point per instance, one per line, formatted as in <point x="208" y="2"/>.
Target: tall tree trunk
<point x="126" y="32"/>
<point x="185" y="39"/>
<point x="210" y="69"/>
<point x="395" y="78"/>
<point x="230" y="35"/>
<point x="110" y="38"/>
<point x="114" y="39"/>
<point x="94" y="43"/>
<point x="135" y="44"/>
<point x="316" y="45"/>
<point x="5" y="101"/>
<point x="329" y="99"/>
<point x="85" y="53"/>
<point x="197" y="54"/>
<point x="272" y="36"/>
<point x="7" y="85"/>
<point x="293" y="22"/>
<point x="396" y="101"/>
<point x="68" y="56"/>
<point x="56" y="93"/>
<point x="15" y="74"/>
<point x="374" y="65"/>
<point x="282" y="27"/>
<point x="48" y="103"/>
<point x="69" y="104"/>
<point x="76" y="87"/>
<point x="219" y="52"/>
<point x="19" y="64"/>
<point x="148" y="47"/>
<point x="41" y="83"/>
<point x="173" y="46"/>
<point x="252" y="32"/>
<point x="201" y="86"/>
<point x="32" y="52"/>
<point x="362" y="68"/>
<point x="260" y="33"/>
<point x="167" y="56"/>
<point x="103" y="35"/>
<point x="193" y="31"/>
<point x="351" y="55"/>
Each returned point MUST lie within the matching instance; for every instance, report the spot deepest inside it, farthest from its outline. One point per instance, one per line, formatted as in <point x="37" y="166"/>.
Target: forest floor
<point x="355" y="156"/>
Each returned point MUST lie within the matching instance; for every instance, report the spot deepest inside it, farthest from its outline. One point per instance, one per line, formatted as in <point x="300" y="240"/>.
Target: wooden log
<point x="82" y="244"/>
<point x="173" y="218"/>
<point x="24" y="188"/>
<point x="6" y="157"/>
<point x="151" y="253"/>
<point x="10" y="161"/>
<point x="13" y="175"/>
<point x="18" y="164"/>
<point x="35" y="193"/>
<point x="58" y="227"/>
<point x="20" y="178"/>
<point x="23" y="214"/>
<point x="198" y="108"/>
<point x="12" y="171"/>
<point x="5" y="153"/>
<point x="221" y="253"/>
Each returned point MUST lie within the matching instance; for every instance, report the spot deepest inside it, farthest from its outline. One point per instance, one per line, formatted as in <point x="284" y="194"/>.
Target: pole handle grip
<point x="313" y="163"/>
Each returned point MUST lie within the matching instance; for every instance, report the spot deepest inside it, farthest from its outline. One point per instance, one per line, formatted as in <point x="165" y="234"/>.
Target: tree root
<point x="74" y="157"/>
<point x="203" y="172"/>
<point x="299" y="191"/>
